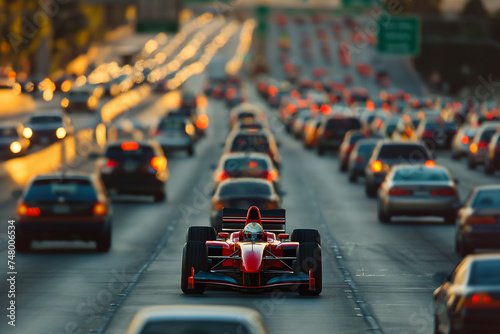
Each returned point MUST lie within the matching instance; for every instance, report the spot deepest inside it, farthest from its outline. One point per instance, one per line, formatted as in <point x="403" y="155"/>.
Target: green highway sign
<point x="398" y="35"/>
<point x="357" y="3"/>
<point x="262" y="14"/>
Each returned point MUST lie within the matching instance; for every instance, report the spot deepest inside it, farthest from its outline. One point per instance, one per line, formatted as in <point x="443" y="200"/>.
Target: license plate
<point x="130" y="167"/>
<point x="61" y="209"/>
<point x="421" y="193"/>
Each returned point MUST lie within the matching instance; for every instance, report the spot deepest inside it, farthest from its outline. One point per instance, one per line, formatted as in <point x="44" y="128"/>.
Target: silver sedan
<point x="418" y="190"/>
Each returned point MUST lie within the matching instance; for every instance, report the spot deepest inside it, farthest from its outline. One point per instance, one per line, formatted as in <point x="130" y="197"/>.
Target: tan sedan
<point x="418" y="190"/>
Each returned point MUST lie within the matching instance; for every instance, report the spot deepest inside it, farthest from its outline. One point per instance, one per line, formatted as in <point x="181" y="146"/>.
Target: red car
<point x="249" y="256"/>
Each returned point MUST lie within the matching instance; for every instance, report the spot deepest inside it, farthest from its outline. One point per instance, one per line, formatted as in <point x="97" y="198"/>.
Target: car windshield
<point x="410" y="174"/>
<point x="470" y="132"/>
<point x="411" y="153"/>
<point x="250" y="142"/>
<point x="245" y="166"/>
<point x="53" y="189"/>
<point x="247" y="189"/>
<point x="194" y="326"/>
<point x="485" y="272"/>
<point x="487" y="199"/>
<point x="8" y="132"/>
<point x="172" y="125"/>
<point x="45" y="119"/>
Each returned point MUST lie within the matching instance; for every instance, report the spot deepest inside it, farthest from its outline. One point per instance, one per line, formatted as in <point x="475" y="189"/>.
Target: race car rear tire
<point x="201" y="233"/>
<point x="309" y="257"/>
<point x="194" y="256"/>
<point x="302" y="235"/>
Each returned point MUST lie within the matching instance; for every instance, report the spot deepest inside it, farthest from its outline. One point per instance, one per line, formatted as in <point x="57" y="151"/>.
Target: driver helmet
<point x="253" y="231"/>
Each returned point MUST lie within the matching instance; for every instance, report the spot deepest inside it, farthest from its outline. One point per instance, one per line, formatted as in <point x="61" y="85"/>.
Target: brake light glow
<point x="221" y="176"/>
<point x="376" y="166"/>
<point x="24" y="210"/>
<point x="464" y="140"/>
<point x="218" y="206"/>
<point x="130" y="146"/>
<point x="473" y="148"/>
<point x="482" y="145"/>
<point x="202" y="121"/>
<point x="482" y="220"/>
<point x="400" y="192"/>
<point x="111" y="163"/>
<point x="443" y="192"/>
<point x="481" y="300"/>
<point x="430" y="164"/>
<point x="272" y="175"/>
<point x="99" y="209"/>
<point x="158" y="163"/>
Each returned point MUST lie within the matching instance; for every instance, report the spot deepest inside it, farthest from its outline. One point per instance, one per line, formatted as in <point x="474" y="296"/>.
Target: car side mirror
<point x="283" y="236"/>
<point x="440" y="278"/>
<point x="223" y="235"/>
<point x="16" y="193"/>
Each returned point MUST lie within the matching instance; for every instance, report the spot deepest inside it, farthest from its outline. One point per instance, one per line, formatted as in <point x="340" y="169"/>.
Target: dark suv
<point x="388" y="153"/>
<point x="332" y="130"/>
<point x="64" y="207"/>
<point x="134" y="167"/>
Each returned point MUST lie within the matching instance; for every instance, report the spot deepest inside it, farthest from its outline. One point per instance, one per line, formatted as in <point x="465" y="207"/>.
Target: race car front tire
<point x="194" y="256"/>
<point x="309" y="257"/>
<point x="306" y="235"/>
<point x="201" y="233"/>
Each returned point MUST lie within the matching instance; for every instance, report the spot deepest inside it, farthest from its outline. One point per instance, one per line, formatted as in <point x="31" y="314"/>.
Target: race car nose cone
<point x="251" y="257"/>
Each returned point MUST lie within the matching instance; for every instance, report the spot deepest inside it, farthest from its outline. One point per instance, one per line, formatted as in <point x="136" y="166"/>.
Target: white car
<point x="179" y="319"/>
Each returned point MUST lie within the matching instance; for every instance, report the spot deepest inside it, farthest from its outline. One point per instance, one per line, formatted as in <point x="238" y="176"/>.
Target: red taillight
<point x="481" y="300"/>
<point x="110" y="163"/>
<point x="100" y="209"/>
<point x="400" y="192"/>
<point x="464" y="140"/>
<point x="130" y="146"/>
<point x="482" y="220"/>
<point x="443" y="192"/>
<point x="430" y="164"/>
<point x="376" y="166"/>
<point x="482" y="145"/>
<point x="24" y="210"/>
<point x="218" y="205"/>
<point x="327" y="134"/>
<point x="272" y="175"/>
<point x="349" y="149"/>
<point x="158" y="163"/>
<point x="427" y="133"/>
<point x="270" y="206"/>
<point x="221" y="176"/>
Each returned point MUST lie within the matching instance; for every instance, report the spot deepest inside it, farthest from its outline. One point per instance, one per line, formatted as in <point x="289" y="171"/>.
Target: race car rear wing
<point x="271" y="220"/>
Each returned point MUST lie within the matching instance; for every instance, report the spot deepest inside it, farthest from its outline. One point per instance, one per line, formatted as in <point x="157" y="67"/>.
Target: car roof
<point x="398" y="142"/>
<point x="194" y="312"/>
<point x="245" y="180"/>
<point x="252" y="155"/>
<point x="5" y="125"/>
<point x="64" y="175"/>
<point x="483" y="256"/>
<point x="419" y="166"/>
<point x="488" y="187"/>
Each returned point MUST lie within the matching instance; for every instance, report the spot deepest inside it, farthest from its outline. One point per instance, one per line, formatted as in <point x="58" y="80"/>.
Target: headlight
<point x="64" y="102"/>
<point x="61" y="133"/>
<point x="27" y="132"/>
<point x="16" y="147"/>
<point x="190" y="129"/>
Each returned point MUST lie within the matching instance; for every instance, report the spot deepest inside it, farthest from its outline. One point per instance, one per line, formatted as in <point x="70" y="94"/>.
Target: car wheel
<point x="382" y="216"/>
<point x="23" y="244"/>
<point x="352" y="178"/>
<point x="190" y="151"/>
<point x="195" y="256"/>
<point x="201" y="233"/>
<point x="320" y="150"/>
<point x="160" y="196"/>
<point x="471" y="164"/>
<point x="302" y="235"/>
<point x="103" y="244"/>
<point x="309" y="257"/>
<point x="370" y="191"/>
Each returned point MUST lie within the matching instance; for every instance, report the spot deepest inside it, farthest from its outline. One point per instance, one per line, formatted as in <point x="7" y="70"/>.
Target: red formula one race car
<point x="247" y="256"/>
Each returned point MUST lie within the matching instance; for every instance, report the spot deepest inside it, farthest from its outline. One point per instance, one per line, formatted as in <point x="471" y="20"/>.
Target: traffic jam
<point x="199" y="186"/>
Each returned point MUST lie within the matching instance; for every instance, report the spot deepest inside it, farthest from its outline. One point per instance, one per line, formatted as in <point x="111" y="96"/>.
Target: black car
<point x="12" y="142"/>
<point x="388" y="153"/>
<point x="64" y="207"/>
<point x="436" y="133"/>
<point x="468" y="301"/>
<point x="332" y="130"/>
<point x="45" y="128"/>
<point x="134" y="167"/>
<point x="242" y="193"/>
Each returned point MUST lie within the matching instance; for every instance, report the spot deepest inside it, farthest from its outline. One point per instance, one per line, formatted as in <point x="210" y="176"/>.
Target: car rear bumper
<point x="133" y="184"/>
<point x="62" y="229"/>
<point x="479" y="321"/>
<point x="419" y="206"/>
<point x="483" y="239"/>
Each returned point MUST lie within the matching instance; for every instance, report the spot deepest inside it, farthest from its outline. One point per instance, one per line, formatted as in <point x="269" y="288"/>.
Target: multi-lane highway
<point x="377" y="278"/>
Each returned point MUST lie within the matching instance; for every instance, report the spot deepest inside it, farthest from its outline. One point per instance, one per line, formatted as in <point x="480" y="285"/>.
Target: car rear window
<point x="248" y="189"/>
<point x="411" y="153"/>
<point x="141" y="153"/>
<point x="485" y="272"/>
<point x="245" y="165"/>
<point x="411" y="174"/>
<point x="250" y="142"/>
<point x="487" y="199"/>
<point x="69" y="189"/>
<point x="246" y="115"/>
<point x="355" y="137"/>
<point x="343" y="124"/>
<point x="45" y="119"/>
<point x="196" y="326"/>
<point x="171" y="125"/>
